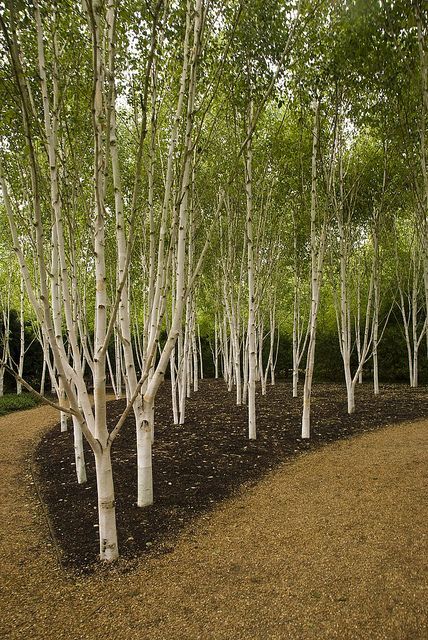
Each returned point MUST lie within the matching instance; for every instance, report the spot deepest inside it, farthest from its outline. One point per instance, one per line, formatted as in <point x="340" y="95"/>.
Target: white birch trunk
<point x="410" y="312"/>
<point x="245" y="367"/>
<point x="298" y="347"/>
<point x="44" y="367"/>
<point x="271" y="361"/>
<point x="21" y="338"/>
<point x="376" y="302"/>
<point x="118" y="365"/>
<point x="172" y="366"/>
<point x="358" y="325"/>
<point x="195" y="357"/>
<point x="262" y="376"/>
<point x="106" y="501"/>
<point x="201" y="360"/>
<point x="2" y="372"/>
<point x="62" y="400"/>
<point x="144" y="455"/>
<point x="216" y="371"/>
<point x="317" y="258"/>
<point x="79" y="455"/>
<point x="234" y="343"/>
<point x="92" y="424"/>
<point x="296" y="361"/>
<point x="106" y="506"/>
<point x="5" y="341"/>
<point x="252" y="356"/>
<point x="112" y="381"/>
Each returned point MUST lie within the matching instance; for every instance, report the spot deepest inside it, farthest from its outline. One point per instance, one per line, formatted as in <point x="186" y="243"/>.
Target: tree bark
<point x="252" y="356"/>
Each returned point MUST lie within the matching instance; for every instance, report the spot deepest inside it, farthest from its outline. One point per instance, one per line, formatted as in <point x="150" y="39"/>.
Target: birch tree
<point x="5" y="293"/>
<point x="45" y="300"/>
<point x="409" y="274"/>
<point x="318" y="246"/>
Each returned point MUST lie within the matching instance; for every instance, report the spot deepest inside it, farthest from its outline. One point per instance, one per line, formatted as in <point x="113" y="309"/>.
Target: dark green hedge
<point x="11" y="402"/>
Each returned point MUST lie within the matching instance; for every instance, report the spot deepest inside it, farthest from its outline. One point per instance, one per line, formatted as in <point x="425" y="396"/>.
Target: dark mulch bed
<point x="200" y="463"/>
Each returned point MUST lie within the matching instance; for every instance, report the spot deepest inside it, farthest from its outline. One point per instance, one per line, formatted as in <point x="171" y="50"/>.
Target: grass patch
<point x="11" y="402"/>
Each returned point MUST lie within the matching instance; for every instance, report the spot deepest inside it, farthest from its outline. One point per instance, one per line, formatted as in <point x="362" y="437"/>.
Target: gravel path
<point x="332" y="545"/>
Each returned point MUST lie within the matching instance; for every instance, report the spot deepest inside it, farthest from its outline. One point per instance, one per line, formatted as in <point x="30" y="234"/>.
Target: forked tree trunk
<point x="106" y="500"/>
<point x="143" y="415"/>
<point x="351" y="397"/>
<point x="93" y="423"/>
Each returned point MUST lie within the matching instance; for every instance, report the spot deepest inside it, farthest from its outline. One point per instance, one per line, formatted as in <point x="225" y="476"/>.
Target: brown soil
<point x="200" y="463"/>
<point x="331" y="545"/>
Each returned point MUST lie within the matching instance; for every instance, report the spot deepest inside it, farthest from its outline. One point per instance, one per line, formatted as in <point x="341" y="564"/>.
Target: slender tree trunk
<point x="298" y="347"/>
<point x="252" y="357"/>
<point x="144" y="455"/>
<point x="271" y="362"/>
<point x="5" y="342"/>
<point x="358" y="325"/>
<point x="106" y="500"/>
<point x="172" y="367"/>
<point x="42" y="379"/>
<point x="296" y="360"/>
<point x="317" y="258"/>
<point x="118" y="365"/>
<point x="245" y="371"/>
<point x="62" y="399"/>
<point x="112" y="381"/>
<point x="376" y="305"/>
<point x="216" y="371"/>
<point x="262" y="376"/>
<point x="234" y="343"/>
<point x="21" y="339"/>
<point x="201" y="361"/>
<point x="79" y="456"/>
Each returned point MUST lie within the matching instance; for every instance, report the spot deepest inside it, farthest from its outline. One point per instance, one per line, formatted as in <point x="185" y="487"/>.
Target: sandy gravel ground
<point x="332" y="545"/>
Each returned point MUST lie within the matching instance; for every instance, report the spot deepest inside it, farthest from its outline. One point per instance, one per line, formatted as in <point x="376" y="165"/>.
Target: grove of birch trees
<point x="203" y="188"/>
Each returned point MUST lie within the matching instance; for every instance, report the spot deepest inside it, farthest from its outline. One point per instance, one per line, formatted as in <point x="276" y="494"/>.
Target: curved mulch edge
<point x="201" y="463"/>
<point x="332" y="545"/>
